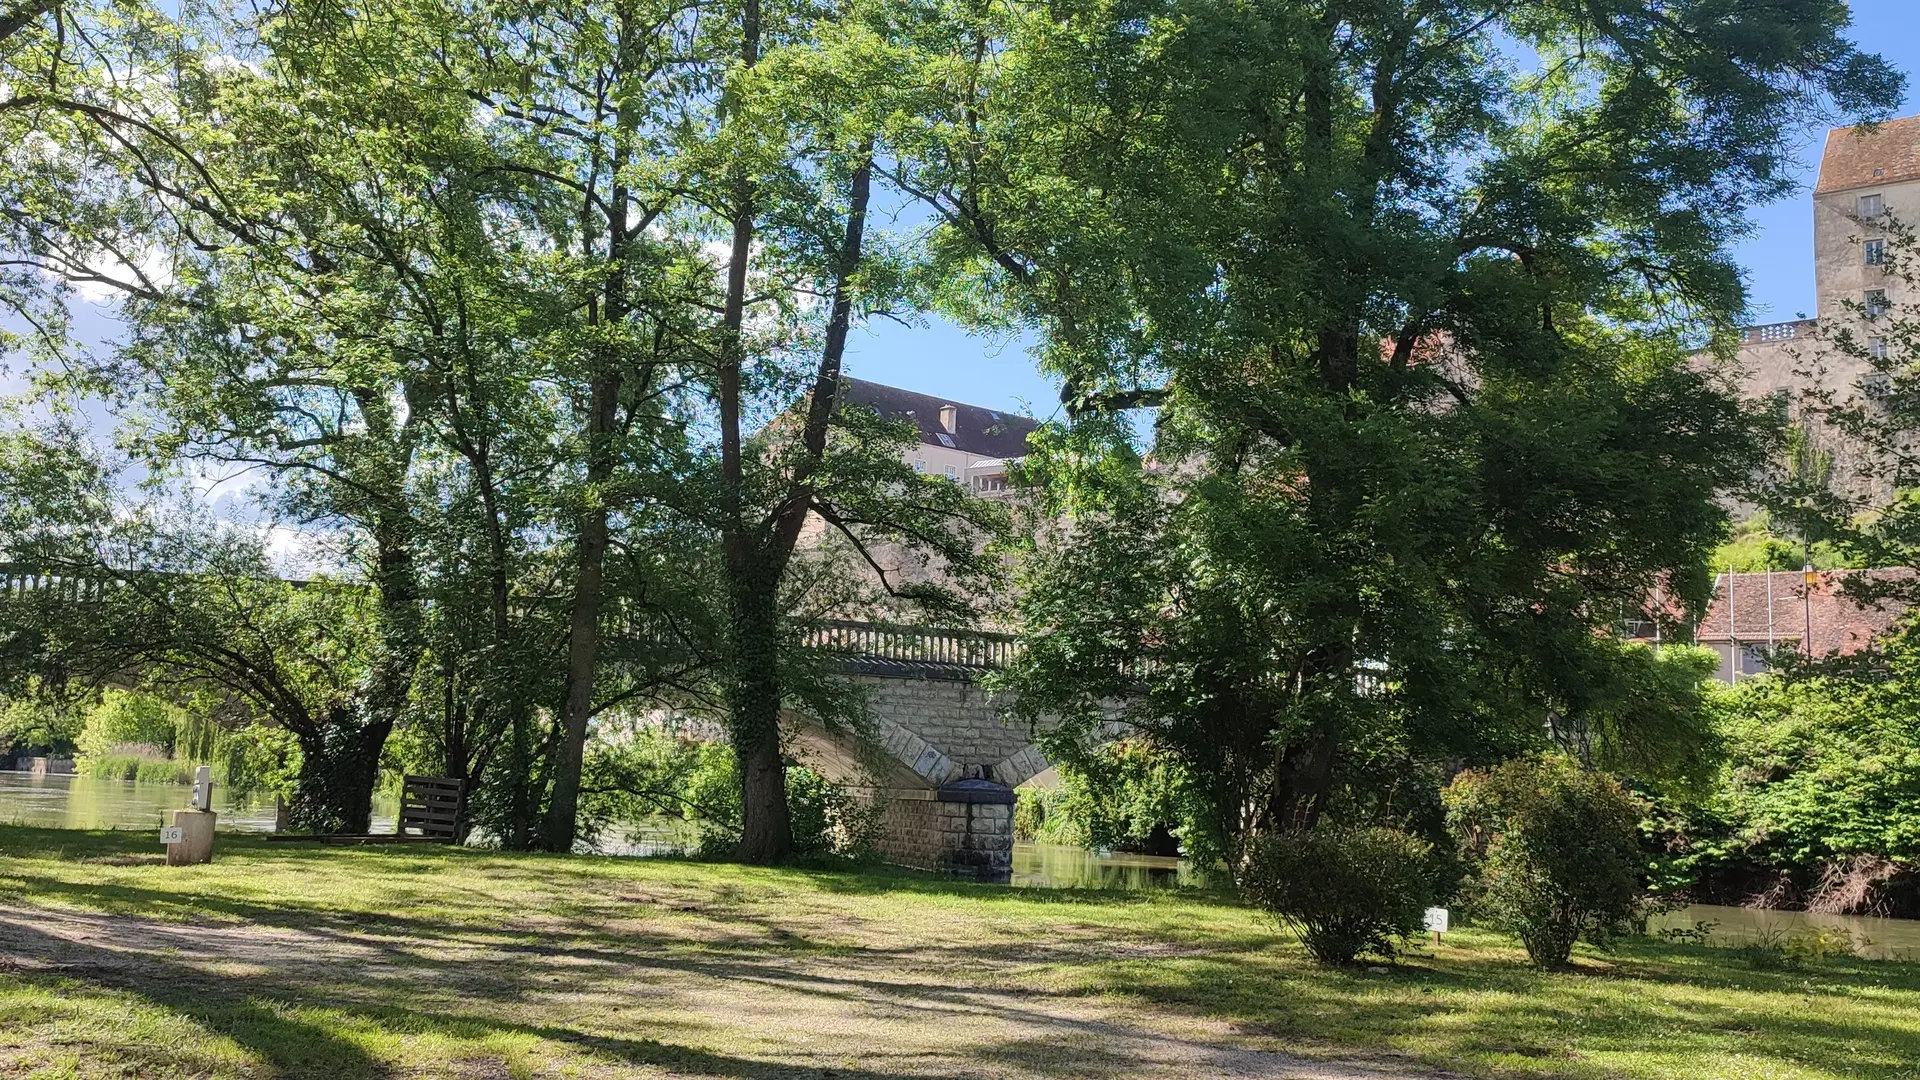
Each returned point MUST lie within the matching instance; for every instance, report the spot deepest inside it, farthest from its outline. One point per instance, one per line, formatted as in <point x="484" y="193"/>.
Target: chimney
<point x="949" y="418"/>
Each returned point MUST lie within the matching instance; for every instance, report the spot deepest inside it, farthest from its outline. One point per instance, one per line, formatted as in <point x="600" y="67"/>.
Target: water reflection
<point x="1056" y="866"/>
<point x="1879" y="939"/>
<point x="89" y="802"/>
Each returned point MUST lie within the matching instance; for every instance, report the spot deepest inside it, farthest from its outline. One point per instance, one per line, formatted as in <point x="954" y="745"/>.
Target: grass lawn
<point x="298" y="961"/>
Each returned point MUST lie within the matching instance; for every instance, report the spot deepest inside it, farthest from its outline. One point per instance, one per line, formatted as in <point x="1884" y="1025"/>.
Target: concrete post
<point x="196" y="838"/>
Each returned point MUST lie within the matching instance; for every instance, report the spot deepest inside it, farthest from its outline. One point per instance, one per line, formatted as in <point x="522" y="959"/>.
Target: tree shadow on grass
<point x="267" y="1029"/>
<point x="263" y="1017"/>
<point x="1502" y="1017"/>
<point x="1459" y="1008"/>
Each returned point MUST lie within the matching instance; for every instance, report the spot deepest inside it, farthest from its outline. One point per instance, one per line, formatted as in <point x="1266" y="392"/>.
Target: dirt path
<point x="649" y="1007"/>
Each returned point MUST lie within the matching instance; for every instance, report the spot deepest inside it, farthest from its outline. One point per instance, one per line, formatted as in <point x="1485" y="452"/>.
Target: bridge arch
<point x="944" y="759"/>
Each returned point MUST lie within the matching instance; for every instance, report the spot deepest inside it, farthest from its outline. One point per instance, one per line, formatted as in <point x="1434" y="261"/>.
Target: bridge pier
<point x="963" y="828"/>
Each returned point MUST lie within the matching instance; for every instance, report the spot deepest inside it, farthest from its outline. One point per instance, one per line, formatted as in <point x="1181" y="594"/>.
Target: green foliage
<point x="41" y="722"/>
<point x="1755" y="547"/>
<point x="1124" y="796"/>
<point x="829" y="820"/>
<point x="263" y="759"/>
<point x="1819" y="799"/>
<point x="647" y="774"/>
<point x="124" y="717"/>
<point x="143" y="769"/>
<point x="1407" y="307"/>
<point x="1823" y="769"/>
<point x="1554" y="851"/>
<point x="1648" y="715"/>
<point x="1346" y="891"/>
<point x="1408" y="315"/>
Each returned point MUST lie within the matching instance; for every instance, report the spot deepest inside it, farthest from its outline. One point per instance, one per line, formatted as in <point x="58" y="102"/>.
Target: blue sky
<point x="939" y="358"/>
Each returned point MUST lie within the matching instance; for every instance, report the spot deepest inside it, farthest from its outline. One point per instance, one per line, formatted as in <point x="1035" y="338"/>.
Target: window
<point x="989" y="483"/>
<point x="1871" y="206"/>
<point x="1753" y="659"/>
<point x="1877" y="348"/>
<point x="920" y="465"/>
<point x="945" y="439"/>
<point x="1876" y="384"/>
<point x="952" y="474"/>
<point x="1876" y="303"/>
<point x="1876" y="252"/>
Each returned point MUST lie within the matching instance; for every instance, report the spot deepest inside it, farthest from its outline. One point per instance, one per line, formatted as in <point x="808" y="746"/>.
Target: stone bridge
<point x="944" y="756"/>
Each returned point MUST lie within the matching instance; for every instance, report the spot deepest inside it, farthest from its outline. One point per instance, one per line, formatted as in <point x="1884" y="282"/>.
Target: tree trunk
<point x="583" y="637"/>
<point x="1303" y="779"/>
<point x="583" y="631"/>
<point x="338" y="769"/>
<point x="766" y="827"/>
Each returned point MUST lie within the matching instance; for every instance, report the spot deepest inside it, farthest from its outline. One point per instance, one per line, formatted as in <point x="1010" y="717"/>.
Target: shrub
<point x="828" y="819"/>
<point x="1038" y="816"/>
<point x="1345" y="891"/>
<point x="41" y="721"/>
<point x="1555" y="852"/>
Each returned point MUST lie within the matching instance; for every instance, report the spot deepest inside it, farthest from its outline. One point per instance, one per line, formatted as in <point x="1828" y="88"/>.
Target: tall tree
<point x="801" y="147"/>
<point x="1413" y="286"/>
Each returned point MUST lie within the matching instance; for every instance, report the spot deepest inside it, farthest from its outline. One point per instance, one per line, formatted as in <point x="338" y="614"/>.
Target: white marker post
<point x="189" y="839"/>
<point x="1436" y="921"/>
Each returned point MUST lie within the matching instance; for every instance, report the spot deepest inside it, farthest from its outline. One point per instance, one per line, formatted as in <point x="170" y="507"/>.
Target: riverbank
<point x="309" y="962"/>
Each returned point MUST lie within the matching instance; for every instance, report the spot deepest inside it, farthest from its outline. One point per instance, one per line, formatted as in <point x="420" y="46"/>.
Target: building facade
<point x="1869" y="179"/>
<point x="1753" y="617"/>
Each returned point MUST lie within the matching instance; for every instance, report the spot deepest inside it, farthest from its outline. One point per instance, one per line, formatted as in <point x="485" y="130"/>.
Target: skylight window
<point x="945" y="439"/>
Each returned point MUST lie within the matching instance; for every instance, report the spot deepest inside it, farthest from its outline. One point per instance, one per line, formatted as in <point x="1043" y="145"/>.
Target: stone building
<point x="1869" y="178"/>
<point x="968" y="444"/>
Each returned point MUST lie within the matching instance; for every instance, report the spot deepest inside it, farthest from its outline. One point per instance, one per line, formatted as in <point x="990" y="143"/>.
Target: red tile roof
<point x="1854" y="153"/>
<point x="1840" y="623"/>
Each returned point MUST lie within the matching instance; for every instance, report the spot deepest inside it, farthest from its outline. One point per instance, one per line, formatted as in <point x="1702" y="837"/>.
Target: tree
<point x="799" y="154"/>
<point x="497" y="333"/>
<point x="1417" y="322"/>
<point x="384" y="297"/>
<point x="168" y="600"/>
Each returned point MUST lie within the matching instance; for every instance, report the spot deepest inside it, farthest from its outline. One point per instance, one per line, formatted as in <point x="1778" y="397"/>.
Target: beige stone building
<point x="1869" y="178"/>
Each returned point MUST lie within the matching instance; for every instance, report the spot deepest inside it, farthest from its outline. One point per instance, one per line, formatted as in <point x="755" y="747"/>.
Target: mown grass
<point x="302" y="961"/>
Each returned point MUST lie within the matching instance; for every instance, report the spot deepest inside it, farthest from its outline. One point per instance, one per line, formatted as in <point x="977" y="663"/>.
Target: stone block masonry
<point x="950" y="760"/>
<point x="964" y="829"/>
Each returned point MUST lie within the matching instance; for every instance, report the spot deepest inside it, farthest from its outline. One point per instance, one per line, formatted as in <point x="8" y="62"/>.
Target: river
<point x="1879" y="939"/>
<point x="1056" y="866"/>
<point x="88" y="802"/>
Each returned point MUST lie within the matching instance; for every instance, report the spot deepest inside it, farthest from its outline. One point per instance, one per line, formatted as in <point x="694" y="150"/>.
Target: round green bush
<point x="1555" y="853"/>
<point x="1344" y="890"/>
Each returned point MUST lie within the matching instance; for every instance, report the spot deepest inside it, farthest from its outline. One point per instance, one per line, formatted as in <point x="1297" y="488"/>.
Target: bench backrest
<point x="431" y="806"/>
